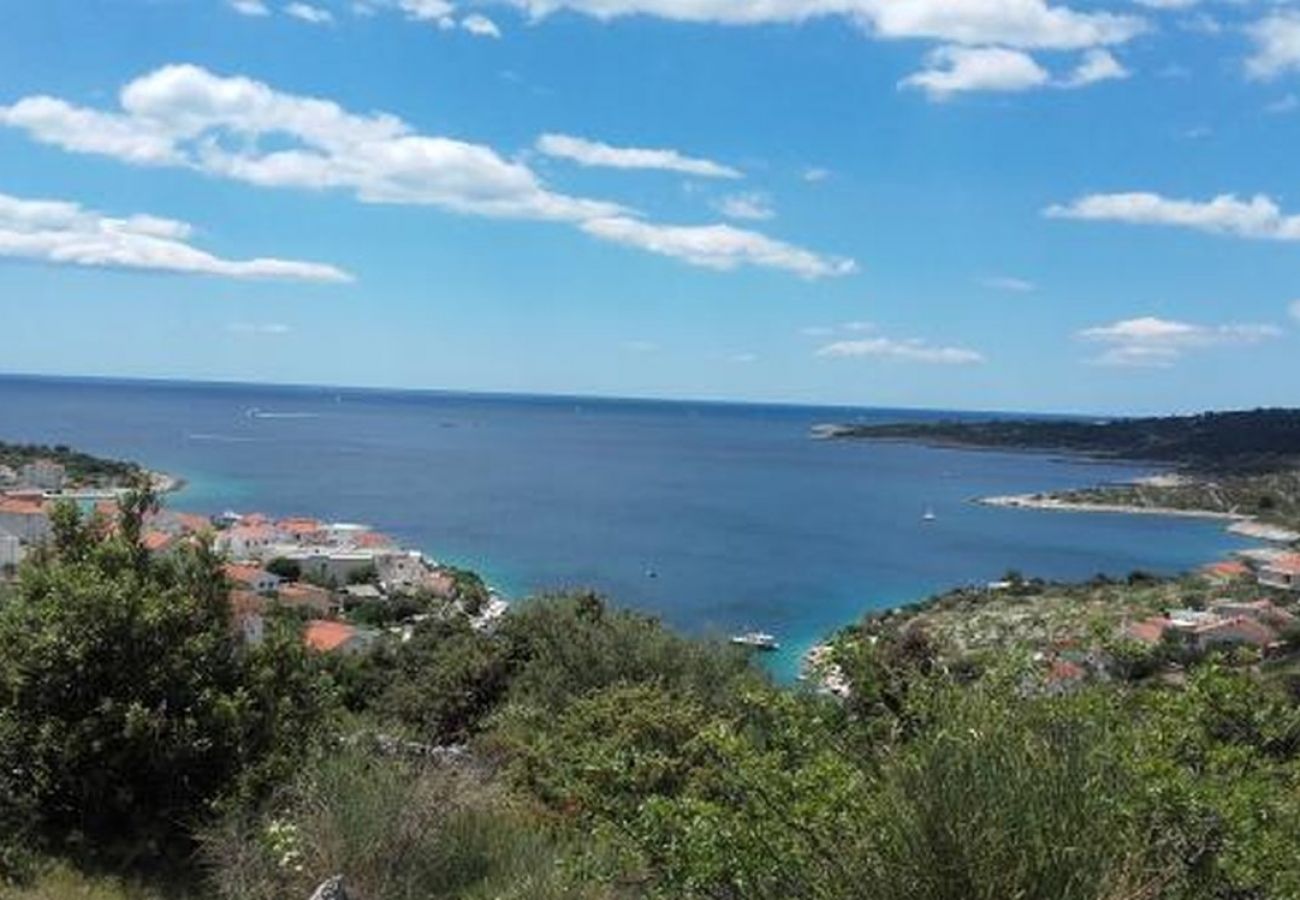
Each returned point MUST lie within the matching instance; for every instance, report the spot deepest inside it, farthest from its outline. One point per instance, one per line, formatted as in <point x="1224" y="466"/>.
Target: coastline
<point x="1049" y="502"/>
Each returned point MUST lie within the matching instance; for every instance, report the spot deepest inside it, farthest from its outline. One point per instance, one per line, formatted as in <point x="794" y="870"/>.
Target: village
<point x="349" y="585"/>
<point x="1244" y="610"/>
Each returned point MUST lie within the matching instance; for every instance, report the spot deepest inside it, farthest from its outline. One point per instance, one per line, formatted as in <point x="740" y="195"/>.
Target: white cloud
<point x="1168" y="4"/>
<point x="243" y="130"/>
<point x="595" y="154"/>
<point x="1150" y="342"/>
<point x="1277" y="45"/>
<point x="751" y="206"/>
<point x="816" y="331"/>
<point x="1015" y="23"/>
<point x="186" y="116"/>
<point x="1258" y="217"/>
<point x="65" y="233"/>
<point x="439" y="12"/>
<point x="953" y="70"/>
<point x="720" y="247"/>
<point x="314" y="15"/>
<point x="742" y="358"/>
<point x="249" y="7"/>
<point x="909" y="350"/>
<point x="258" y="328"/>
<point x="1294" y="309"/>
<point x="1009" y="283"/>
<point x="1097" y="65"/>
<point x="813" y="175"/>
<point x="480" y="26"/>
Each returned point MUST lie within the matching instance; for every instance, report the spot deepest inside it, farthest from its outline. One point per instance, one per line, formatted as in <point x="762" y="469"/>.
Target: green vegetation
<point x="580" y="751"/>
<point x="1270" y="497"/>
<point x="82" y="468"/>
<point x="1262" y="440"/>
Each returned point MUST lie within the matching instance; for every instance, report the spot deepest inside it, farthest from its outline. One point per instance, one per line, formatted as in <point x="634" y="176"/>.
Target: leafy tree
<point x="288" y="569"/>
<point x="127" y="708"/>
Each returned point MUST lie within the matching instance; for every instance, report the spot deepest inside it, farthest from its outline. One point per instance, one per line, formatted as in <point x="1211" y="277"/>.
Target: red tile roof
<point x="1149" y="631"/>
<point x="1228" y="569"/>
<point x="22" y="506"/>
<point x="1289" y="564"/>
<point x="245" y="574"/>
<point x="155" y="540"/>
<point x="323" y="635"/>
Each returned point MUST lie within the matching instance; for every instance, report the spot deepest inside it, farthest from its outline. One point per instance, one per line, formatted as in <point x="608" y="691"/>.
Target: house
<point x="43" y="474"/>
<point x="326" y="564"/>
<point x="11" y="551"/>
<point x="26" y="516"/>
<point x="1238" y="630"/>
<point x="326" y="636"/>
<point x="246" y="617"/>
<point x="1149" y="631"/>
<point x="248" y="540"/>
<point x="307" y="596"/>
<point x="1226" y="571"/>
<point x="363" y="593"/>
<point x="300" y="530"/>
<point x="1263" y="610"/>
<point x="1282" y="572"/>
<point x="252" y="578"/>
<point x="8" y="476"/>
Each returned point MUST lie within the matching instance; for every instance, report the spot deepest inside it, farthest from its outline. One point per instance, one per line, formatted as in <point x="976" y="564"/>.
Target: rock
<point x="331" y="890"/>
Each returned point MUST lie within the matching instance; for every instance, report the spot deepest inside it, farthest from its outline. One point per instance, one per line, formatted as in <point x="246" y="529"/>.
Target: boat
<point x="757" y="640"/>
<point x="929" y="516"/>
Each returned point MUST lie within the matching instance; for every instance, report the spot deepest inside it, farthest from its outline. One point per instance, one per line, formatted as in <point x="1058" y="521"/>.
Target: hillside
<point x="1248" y="441"/>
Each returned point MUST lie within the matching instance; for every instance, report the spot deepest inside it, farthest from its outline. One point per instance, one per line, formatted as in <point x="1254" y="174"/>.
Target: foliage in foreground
<point x="598" y="755"/>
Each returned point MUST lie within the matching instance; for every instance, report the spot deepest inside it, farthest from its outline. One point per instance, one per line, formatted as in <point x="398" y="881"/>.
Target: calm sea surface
<point x="746" y="522"/>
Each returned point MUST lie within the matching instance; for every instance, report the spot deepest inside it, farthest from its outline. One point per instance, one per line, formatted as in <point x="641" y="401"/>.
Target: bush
<point x="395" y="829"/>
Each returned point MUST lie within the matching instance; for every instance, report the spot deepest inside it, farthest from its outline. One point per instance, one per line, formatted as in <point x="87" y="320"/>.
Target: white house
<point x="25" y="517"/>
<point x="11" y="550"/>
<point x="44" y="474"/>
<point x="1283" y="573"/>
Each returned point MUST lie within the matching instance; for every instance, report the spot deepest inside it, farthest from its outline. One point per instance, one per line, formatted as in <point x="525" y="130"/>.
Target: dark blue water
<point x="746" y="521"/>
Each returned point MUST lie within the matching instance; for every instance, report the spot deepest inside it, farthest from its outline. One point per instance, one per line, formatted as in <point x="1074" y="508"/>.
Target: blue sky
<point x="1013" y="204"/>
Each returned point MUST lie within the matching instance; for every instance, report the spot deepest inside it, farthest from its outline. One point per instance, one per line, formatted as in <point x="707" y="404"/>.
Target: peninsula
<point x="1241" y="465"/>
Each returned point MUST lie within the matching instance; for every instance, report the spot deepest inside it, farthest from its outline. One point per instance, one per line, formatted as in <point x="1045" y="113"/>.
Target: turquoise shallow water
<point x="746" y="521"/>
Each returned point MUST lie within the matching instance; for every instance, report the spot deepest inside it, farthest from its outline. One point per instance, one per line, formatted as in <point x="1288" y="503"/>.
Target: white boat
<point x="929" y="516"/>
<point x="758" y="640"/>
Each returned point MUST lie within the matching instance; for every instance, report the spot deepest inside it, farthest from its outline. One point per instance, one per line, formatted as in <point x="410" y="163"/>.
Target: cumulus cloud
<point x="480" y="26"/>
<point x="1150" y="342"/>
<point x="314" y="15"/>
<point x="907" y="350"/>
<point x="720" y="247"/>
<point x="1013" y="23"/>
<point x="954" y="70"/>
<point x="243" y="130"/>
<point x="1277" y="45"/>
<point x="59" y="232"/>
<point x="1259" y="217"/>
<point x="1097" y="65"/>
<point x="186" y="116"/>
<point x="595" y="154"/>
<point x="751" y="206"/>
<point x="249" y="7"/>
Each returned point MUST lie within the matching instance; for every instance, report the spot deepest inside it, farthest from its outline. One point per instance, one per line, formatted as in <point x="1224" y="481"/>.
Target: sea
<point x="716" y="517"/>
